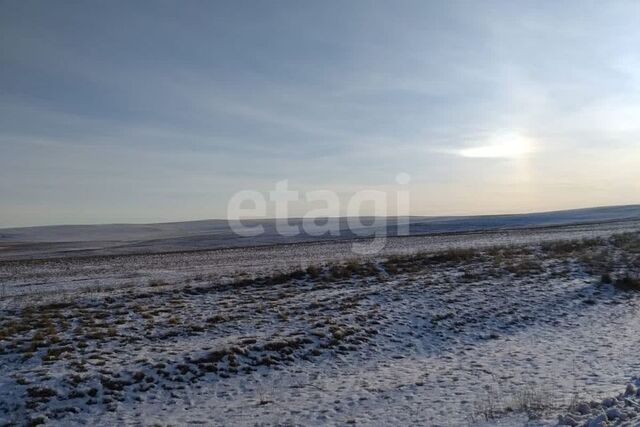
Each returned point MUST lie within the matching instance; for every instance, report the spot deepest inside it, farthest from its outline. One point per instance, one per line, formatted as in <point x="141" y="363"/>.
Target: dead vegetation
<point x="499" y="401"/>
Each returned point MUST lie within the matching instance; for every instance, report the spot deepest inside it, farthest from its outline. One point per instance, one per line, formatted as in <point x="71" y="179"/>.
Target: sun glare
<point x="508" y="146"/>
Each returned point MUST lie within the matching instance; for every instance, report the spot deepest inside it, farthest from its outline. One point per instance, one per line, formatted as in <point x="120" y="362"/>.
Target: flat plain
<point x="531" y="326"/>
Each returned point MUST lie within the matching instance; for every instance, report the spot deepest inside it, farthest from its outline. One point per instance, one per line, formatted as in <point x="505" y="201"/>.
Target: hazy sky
<point x="153" y="111"/>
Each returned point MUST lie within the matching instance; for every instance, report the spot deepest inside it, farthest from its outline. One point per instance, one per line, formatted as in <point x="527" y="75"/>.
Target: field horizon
<point x="201" y="235"/>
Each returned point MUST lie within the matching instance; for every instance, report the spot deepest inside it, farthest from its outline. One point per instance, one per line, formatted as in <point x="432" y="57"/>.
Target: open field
<point x="42" y="278"/>
<point x="320" y="213"/>
<point x="125" y="239"/>
<point x="509" y="327"/>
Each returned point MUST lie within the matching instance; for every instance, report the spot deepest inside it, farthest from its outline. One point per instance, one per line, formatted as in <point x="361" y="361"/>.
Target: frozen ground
<point x="479" y="334"/>
<point x="40" y="278"/>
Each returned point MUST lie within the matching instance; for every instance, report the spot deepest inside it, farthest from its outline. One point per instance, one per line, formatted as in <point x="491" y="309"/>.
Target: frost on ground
<point x="491" y="335"/>
<point x="36" y="279"/>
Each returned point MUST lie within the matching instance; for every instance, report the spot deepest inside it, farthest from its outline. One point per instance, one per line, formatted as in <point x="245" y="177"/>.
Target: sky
<point x="145" y="111"/>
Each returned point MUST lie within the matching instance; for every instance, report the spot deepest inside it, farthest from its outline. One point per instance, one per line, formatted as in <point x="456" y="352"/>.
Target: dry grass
<point x="530" y="400"/>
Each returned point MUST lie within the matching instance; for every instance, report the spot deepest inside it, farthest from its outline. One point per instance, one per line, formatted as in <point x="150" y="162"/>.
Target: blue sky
<point x="158" y="111"/>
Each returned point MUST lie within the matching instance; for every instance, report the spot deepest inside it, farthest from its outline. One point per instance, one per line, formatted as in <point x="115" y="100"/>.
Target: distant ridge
<point x="66" y="240"/>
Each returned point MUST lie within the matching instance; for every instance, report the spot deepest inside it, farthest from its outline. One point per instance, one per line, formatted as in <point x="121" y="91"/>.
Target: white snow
<point x="436" y="339"/>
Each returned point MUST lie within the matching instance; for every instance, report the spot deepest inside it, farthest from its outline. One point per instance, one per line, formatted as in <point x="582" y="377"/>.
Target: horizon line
<point x="324" y="217"/>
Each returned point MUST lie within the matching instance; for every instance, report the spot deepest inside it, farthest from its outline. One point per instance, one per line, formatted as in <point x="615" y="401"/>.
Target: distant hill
<point x="65" y="240"/>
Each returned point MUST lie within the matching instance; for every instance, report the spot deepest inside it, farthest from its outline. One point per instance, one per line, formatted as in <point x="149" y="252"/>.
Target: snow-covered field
<point x="489" y="328"/>
<point x="41" y="278"/>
